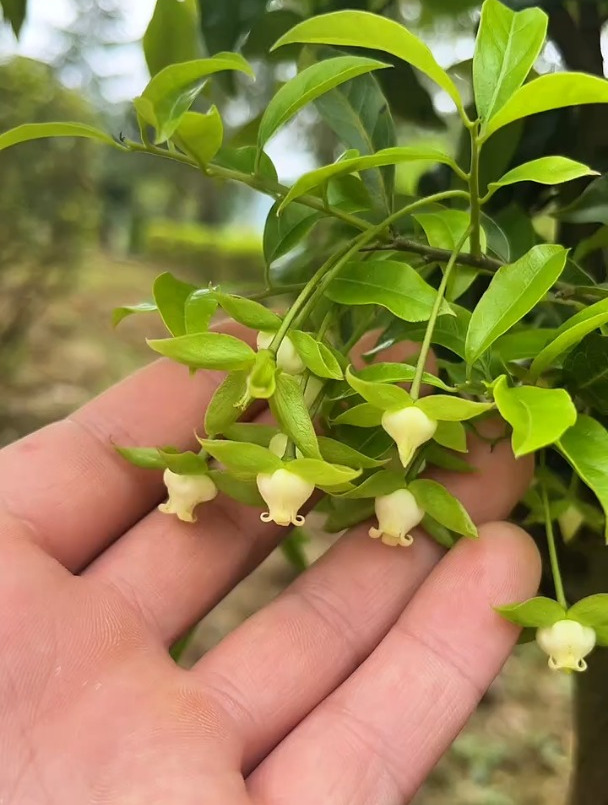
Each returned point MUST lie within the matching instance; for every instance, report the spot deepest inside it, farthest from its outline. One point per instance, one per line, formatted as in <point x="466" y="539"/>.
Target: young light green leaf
<point x="187" y="463"/>
<point x="387" y="156"/>
<point x="199" y="309"/>
<point x="321" y="473"/>
<point x="248" y="312"/>
<point x="451" y="409"/>
<point x="536" y="612"/>
<point x="284" y="232"/>
<point x="308" y="85"/>
<point x="569" y="334"/>
<point x="365" y="415"/>
<point x="170" y="295"/>
<point x="243" y="459"/>
<point x="206" y="351"/>
<point x="148" y="458"/>
<point x="591" y="611"/>
<point x="442" y="506"/>
<point x="523" y="344"/>
<point x="545" y="170"/>
<point x="399" y="373"/>
<point x="173" y="90"/>
<point x="229" y="401"/>
<point x="200" y="135"/>
<point x="245" y="492"/>
<point x="380" y="483"/>
<point x="120" y="313"/>
<point x="538" y="416"/>
<point x="515" y="289"/>
<point x="364" y="30"/>
<point x="244" y="159"/>
<point x="339" y="453"/>
<point x="41" y="131"/>
<point x="381" y="395"/>
<point x="291" y="412"/>
<point x="391" y="284"/>
<point x="585" y="445"/>
<point x="444" y="229"/>
<point x="172" y="35"/>
<point x="508" y="43"/>
<point x="451" y="435"/>
<point x="551" y="91"/>
<point x="316" y="356"/>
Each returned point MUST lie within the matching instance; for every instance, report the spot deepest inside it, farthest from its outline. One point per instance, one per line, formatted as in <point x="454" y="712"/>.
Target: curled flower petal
<point x="185" y="493"/>
<point x="397" y="513"/>
<point x="567" y="643"/>
<point x="409" y="427"/>
<point x="284" y="493"/>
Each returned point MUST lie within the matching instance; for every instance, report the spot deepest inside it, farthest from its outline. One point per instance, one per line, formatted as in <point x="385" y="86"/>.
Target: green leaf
<point x="585" y="445"/>
<point x="591" y="206"/>
<point x="586" y="372"/>
<point x="244" y="160"/>
<point x="508" y="43"/>
<point x="206" y="351"/>
<point x="149" y="458"/>
<point x="364" y="30"/>
<point x="245" y="492"/>
<point x="284" y="232"/>
<point x="308" y="85"/>
<point x="376" y="485"/>
<point x="551" y="91"/>
<point x="365" y="415"/>
<point x="347" y="513"/>
<point x="445" y="458"/>
<point x="14" y="11"/>
<point x="442" y="506"/>
<point x="591" y="611"/>
<point x="451" y="435"/>
<point x="570" y="333"/>
<point x="290" y="410"/>
<point x="399" y="373"/>
<point x="173" y="90"/>
<point x="391" y="284"/>
<point x="199" y="309"/>
<point x="316" y="356"/>
<point x="449" y="331"/>
<point x="120" y="313"/>
<point x="227" y="404"/>
<point x="387" y="156"/>
<point x="251" y="432"/>
<point x="536" y="612"/>
<point x="248" y="312"/>
<point x="41" y="131"/>
<point x="514" y="290"/>
<point x="436" y="531"/>
<point x="524" y="344"/>
<point x="538" y="416"/>
<point x="200" y="135"/>
<point x="340" y="453"/>
<point x="243" y="459"/>
<point x="545" y="170"/>
<point x="381" y="395"/>
<point x="172" y="35"/>
<point x="444" y="229"/>
<point x="171" y="295"/>
<point x="321" y="473"/>
<point x="451" y="409"/>
<point x="187" y="463"/>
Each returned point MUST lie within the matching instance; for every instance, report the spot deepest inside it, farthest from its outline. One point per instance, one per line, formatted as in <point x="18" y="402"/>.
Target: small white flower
<point x="409" y="427"/>
<point x="397" y="513"/>
<point x="287" y="358"/>
<point x="185" y="493"/>
<point x="284" y="493"/>
<point x="566" y="643"/>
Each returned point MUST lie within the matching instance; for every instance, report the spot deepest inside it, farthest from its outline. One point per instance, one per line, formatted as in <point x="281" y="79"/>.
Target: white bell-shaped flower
<point x="567" y="643"/>
<point x="185" y="493"/>
<point x="397" y="513"/>
<point x="284" y="493"/>
<point x="287" y="358"/>
<point x="409" y="427"/>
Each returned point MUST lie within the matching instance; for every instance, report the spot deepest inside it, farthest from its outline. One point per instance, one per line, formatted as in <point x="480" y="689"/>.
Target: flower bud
<point x="397" y="514"/>
<point x="287" y="358"/>
<point x="409" y="427"/>
<point x="261" y="382"/>
<point x="284" y="493"/>
<point x="566" y="643"/>
<point x="185" y="493"/>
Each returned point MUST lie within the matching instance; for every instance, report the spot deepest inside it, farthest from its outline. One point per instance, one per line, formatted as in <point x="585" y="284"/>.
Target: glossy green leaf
<point x="391" y="284"/>
<point x="449" y="331"/>
<point x="382" y="395"/>
<point x="445" y="458"/>
<point x="451" y="409"/>
<point x="172" y="35"/>
<point x="585" y="445"/>
<point x="187" y="463"/>
<point x="244" y="160"/>
<point x="284" y="232"/>
<point x="591" y="206"/>
<point x="244" y="459"/>
<point x="291" y="412"/>
<point x="229" y="401"/>
<point x="538" y="416"/>
<point x="442" y="506"/>
<point x="171" y="295"/>
<point x="514" y="290"/>
<point x="508" y="43"/>
<point x="200" y="135"/>
<point x="322" y="473"/>
<point x="199" y="309"/>
<point x="148" y="458"/>
<point x="308" y="85"/>
<point x="245" y="492"/>
<point x="206" y="351"/>
<point x="442" y="535"/>
<point x="173" y="90"/>
<point x="365" y="415"/>
<point x="444" y="229"/>
<point x="363" y="30"/>
<point x="451" y="435"/>
<point x="545" y="170"/>
<point x="316" y="356"/>
<point x="551" y="91"/>
<point x="41" y="131"/>
<point x="248" y="312"/>
<point x="399" y="373"/>
<point x="586" y="372"/>
<point x="523" y="344"/>
<point x="339" y="453"/>
<point x="380" y="483"/>
<point x="536" y="612"/>
<point x="120" y="313"/>
<point x="387" y="156"/>
<point x="570" y="334"/>
<point x="591" y="611"/>
<point x="251" y="432"/>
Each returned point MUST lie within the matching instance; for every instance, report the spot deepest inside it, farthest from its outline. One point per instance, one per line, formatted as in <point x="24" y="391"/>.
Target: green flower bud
<point x="261" y="383"/>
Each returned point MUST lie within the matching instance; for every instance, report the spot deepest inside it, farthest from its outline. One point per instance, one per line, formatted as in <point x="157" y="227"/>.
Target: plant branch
<point x="436" y="255"/>
<point x="557" y="576"/>
<point x="474" y="194"/>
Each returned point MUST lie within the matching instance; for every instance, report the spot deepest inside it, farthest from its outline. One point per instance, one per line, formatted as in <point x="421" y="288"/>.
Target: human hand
<point x="344" y="690"/>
